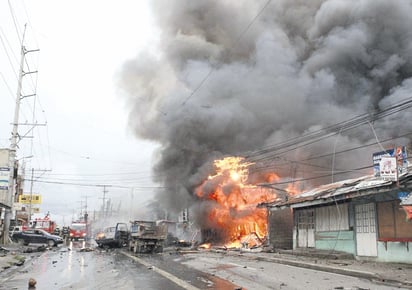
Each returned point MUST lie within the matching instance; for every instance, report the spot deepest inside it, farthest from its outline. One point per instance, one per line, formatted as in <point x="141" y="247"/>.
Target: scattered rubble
<point x="11" y="260"/>
<point x="33" y="250"/>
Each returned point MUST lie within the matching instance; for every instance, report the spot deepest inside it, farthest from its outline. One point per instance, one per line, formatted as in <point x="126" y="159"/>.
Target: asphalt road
<point x="74" y="267"/>
<point x="250" y="273"/>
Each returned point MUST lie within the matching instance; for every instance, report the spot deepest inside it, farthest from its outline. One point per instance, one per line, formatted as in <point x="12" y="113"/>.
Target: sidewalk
<point x="386" y="273"/>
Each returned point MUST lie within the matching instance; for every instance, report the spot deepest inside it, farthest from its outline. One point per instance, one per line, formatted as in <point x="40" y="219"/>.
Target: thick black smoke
<point x="296" y="67"/>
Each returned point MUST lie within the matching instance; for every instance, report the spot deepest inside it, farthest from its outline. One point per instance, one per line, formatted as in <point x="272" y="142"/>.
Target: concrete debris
<point x="33" y="250"/>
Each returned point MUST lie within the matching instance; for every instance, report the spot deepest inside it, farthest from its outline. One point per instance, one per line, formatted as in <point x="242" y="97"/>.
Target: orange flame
<point x="234" y="213"/>
<point x="292" y="189"/>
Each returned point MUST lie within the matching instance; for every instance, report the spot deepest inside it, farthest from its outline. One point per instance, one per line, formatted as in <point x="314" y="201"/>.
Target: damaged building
<point x="368" y="217"/>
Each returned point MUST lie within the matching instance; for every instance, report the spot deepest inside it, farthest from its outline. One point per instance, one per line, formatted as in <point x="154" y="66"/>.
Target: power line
<point x="322" y="176"/>
<point x="272" y="151"/>
<point x="15" y="22"/>
<point x="259" y="168"/>
<point x="96" y="185"/>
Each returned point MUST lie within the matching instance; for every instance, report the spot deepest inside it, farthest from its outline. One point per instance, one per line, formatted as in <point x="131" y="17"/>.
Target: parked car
<point x="36" y="236"/>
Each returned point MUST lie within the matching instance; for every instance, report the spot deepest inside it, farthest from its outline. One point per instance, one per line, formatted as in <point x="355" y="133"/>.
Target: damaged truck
<point x="147" y="236"/>
<point x="113" y="237"/>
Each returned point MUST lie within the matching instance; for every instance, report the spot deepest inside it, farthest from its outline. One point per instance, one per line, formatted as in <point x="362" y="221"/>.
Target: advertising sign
<point x="388" y="168"/>
<point x="406" y="204"/>
<point x="401" y="160"/>
<point x="4" y="185"/>
<point x="4" y="178"/>
<point x="25" y="198"/>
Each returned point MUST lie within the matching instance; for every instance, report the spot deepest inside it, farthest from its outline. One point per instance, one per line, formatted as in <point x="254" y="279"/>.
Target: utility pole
<point x="13" y="143"/>
<point x="104" y="201"/>
<point x="131" y="203"/>
<point x="31" y="195"/>
<point x="81" y="208"/>
<point x="85" y="206"/>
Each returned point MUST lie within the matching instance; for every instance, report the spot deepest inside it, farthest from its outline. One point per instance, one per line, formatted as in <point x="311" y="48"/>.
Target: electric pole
<point x="31" y="195"/>
<point x="13" y="144"/>
<point x="104" y="202"/>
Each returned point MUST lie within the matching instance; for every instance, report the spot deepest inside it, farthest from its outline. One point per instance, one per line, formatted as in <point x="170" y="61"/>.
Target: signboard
<point x="388" y="168"/>
<point x="4" y="178"/>
<point x="4" y="186"/>
<point x="25" y="198"/>
<point x="401" y="159"/>
<point x="5" y="198"/>
<point x="25" y="208"/>
<point x="406" y="203"/>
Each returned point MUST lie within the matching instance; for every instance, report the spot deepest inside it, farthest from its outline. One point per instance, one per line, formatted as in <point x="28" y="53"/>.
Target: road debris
<point x="32" y="283"/>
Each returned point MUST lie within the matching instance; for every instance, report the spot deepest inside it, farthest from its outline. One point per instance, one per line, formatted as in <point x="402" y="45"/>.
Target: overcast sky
<point x="211" y="79"/>
<point x="83" y="44"/>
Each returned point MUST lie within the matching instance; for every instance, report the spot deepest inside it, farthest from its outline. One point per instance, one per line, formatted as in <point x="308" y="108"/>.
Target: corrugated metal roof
<point x="337" y="189"/>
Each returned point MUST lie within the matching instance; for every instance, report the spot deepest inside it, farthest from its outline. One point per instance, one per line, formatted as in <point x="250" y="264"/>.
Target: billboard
<point x="401" y="160"/>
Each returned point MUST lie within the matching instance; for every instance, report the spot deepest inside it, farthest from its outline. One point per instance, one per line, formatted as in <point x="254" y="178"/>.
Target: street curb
<point x="325" y="268"/>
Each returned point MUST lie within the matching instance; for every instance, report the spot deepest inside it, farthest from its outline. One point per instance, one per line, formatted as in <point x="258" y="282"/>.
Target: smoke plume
<point x="230" y="77"/>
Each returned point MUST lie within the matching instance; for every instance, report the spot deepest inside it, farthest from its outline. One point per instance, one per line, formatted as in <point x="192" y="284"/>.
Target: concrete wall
<point x="342" y="241"/>
<point x="396" y="252"/>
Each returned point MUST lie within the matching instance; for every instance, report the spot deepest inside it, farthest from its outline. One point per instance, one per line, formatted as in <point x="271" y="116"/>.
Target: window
<point x="332" y="218"/>
<point x="306" y="219"/>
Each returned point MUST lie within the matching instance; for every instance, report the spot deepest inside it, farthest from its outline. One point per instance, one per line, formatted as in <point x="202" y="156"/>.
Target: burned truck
<point x="147" y="236"/>
<point x="113" y="237"/>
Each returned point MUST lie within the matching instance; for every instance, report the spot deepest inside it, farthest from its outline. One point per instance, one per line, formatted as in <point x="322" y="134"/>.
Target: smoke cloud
<point x="228" y="80"/>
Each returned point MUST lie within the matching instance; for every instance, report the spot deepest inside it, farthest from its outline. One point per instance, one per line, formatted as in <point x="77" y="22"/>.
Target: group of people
<point x="64" y="232"/>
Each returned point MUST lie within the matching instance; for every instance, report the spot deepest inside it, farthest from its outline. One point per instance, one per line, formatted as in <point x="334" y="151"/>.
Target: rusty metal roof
<point x="340" y="190"/>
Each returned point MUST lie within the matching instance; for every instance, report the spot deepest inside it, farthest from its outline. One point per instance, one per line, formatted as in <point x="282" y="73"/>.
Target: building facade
<point x="364" y="217"/>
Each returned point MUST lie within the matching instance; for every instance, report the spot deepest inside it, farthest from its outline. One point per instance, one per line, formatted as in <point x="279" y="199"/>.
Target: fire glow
<point x="233" y="218"/>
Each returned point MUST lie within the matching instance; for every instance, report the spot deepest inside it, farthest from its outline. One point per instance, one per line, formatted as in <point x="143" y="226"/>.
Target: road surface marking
<point x="165" y="274"/>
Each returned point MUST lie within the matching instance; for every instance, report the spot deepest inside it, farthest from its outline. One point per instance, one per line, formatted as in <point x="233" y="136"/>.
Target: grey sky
<point x="82" y="45"/>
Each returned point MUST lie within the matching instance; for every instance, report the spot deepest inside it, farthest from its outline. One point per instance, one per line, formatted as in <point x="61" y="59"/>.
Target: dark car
<point x="36" y="236"/>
